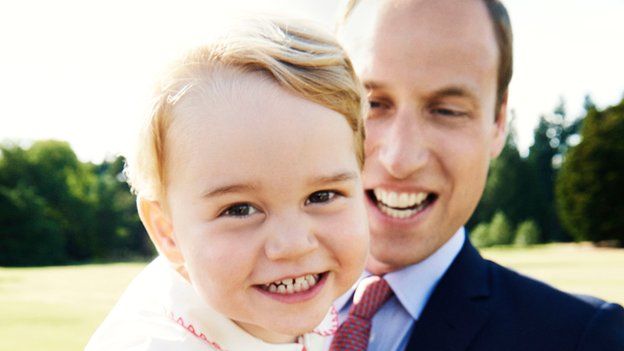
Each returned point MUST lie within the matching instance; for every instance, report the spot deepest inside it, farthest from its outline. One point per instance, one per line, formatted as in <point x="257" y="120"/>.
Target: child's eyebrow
<point x="227" y="189"/>
<point x="334" y="178"/>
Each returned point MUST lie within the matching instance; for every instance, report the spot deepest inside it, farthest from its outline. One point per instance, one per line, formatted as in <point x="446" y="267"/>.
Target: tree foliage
<point x="590" y="187"/>
<point x="507" y="187"/>
<point x="56" y="209"/>
<point x="480" y="236"/>
<point x="527" y="234"/>
<point x="501" y="230"/>
<point x="498" y="232"/>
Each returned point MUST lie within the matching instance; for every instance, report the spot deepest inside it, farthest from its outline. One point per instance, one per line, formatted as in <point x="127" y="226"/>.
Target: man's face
<point x="432" y="129"/>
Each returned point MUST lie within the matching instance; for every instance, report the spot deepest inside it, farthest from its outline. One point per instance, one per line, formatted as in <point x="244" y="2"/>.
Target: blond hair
<point x="300" y="58"/>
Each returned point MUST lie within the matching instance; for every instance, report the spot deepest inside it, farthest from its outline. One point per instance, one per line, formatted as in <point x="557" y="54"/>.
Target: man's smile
<point x="400" y="205"/>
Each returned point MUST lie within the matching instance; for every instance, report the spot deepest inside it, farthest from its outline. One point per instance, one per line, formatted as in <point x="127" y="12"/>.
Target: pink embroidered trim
<point x="191" y="329"/>
<point x="333" y="328"/>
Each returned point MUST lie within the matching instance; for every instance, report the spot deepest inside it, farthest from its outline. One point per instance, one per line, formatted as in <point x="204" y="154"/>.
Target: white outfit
<point x="160" y="311"/>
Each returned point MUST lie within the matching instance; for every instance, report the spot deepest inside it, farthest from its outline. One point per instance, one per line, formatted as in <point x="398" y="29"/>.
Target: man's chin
<point x="394" y="255"/>
<point x="386" y="263"/>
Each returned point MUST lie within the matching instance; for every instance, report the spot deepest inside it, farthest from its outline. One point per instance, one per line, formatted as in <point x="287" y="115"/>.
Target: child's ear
<point x="160" y="230"/>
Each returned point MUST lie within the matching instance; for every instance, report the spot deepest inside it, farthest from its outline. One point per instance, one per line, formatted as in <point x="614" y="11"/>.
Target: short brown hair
<point x="504" y="40"/>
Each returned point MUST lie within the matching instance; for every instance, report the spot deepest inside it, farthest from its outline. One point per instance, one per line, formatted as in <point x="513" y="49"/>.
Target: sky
<point x="82" y="70"/>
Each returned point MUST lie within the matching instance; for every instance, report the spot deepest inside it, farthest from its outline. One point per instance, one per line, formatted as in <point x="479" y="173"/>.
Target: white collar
<point x="185" y="307"/>
<point x="414" y="284"/>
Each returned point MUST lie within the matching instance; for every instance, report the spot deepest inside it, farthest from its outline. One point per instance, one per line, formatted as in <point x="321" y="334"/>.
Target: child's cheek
<point x="348" y="238"/>
<point x="219" y="254"/>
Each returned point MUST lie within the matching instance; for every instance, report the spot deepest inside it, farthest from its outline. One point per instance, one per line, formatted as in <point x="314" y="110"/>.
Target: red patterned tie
<point x="353" y="334"/>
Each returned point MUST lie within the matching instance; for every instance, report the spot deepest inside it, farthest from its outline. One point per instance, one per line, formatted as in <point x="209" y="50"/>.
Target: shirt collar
<point x="414" y="284"/>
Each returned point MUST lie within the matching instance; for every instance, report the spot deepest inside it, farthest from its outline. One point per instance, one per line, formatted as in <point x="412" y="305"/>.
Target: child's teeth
<point x="292" y="285"/>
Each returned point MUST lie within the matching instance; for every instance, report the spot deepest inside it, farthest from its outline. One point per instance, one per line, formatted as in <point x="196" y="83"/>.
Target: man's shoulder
<point x="508" y="284"/>
<point x="542" y="309"/>
<point x="481" y="305"/>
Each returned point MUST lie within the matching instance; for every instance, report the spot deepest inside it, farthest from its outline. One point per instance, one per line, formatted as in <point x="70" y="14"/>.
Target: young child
<point x="248" y="182"/>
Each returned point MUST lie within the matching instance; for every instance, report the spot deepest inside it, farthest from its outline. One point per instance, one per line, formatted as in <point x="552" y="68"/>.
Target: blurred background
<point x="76" y="78"/>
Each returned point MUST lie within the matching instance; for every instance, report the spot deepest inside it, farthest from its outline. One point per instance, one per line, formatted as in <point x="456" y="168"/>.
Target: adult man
<point x="437" y="73"/>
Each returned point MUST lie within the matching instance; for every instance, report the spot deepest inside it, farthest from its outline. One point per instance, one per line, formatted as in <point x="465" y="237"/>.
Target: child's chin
<point x="297" y="325"/>
<point x="296" y="331"/>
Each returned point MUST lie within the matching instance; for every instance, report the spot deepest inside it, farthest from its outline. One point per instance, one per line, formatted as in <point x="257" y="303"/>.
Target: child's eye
<point x="378" y="105"/>
<point x="374" y="104"/>
<point x="320" y="197"/>
<point x="239" y="210"/>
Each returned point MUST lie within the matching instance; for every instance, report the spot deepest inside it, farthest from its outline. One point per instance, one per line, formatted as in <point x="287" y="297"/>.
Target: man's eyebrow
<point x="228" y="189"/>
<point x="334" y="178"/>
<point x="454" y="91"/>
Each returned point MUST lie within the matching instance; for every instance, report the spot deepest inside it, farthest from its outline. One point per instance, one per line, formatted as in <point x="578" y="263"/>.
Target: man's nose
<point x="404" y="149"/>
<point x="291" y="236"/>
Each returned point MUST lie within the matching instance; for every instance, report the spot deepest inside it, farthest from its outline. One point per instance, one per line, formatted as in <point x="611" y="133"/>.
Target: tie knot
<point x="373" y="292"/>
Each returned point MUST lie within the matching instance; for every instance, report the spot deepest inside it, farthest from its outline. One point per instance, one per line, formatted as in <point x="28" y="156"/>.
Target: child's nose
<point x="290" y="237"/>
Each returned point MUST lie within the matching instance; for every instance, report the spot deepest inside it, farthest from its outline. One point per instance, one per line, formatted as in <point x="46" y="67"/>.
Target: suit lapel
<point x="456" y="310"/>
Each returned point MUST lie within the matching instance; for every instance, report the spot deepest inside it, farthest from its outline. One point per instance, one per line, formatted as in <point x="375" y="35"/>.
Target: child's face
<point x="264" y="186"/>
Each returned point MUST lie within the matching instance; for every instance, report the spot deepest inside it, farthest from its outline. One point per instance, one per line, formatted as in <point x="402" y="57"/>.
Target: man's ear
<point x="160" y="230"/>
<point x="500" y="128"/>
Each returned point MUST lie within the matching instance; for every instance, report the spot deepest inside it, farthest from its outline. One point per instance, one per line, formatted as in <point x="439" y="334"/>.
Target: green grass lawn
<point x="58" y="308"/>
<point x="576" y="268"/>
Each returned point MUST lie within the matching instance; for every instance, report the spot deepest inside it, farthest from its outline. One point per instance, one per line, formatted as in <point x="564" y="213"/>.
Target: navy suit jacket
<point x="479" y="305"/>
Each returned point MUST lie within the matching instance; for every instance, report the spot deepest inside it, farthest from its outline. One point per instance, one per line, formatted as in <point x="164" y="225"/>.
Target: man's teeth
<point x="293" y="285"/>
<point x="400" y="201"/>
<point x="397" y="213"/>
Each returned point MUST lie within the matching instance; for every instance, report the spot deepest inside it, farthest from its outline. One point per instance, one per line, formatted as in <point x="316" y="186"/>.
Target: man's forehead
<point x="396" y="27"/>
<point x="450" y="22"/>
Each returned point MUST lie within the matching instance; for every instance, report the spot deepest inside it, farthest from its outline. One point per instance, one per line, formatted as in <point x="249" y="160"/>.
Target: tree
<point x="46" y="187"/>
<point x="527" y="234"/>
<point x="590" y="186"/>
<point x="545" y="155"/>
<point x="28" y="234"/>
<point x="480" y="236"/>
<point x="508" y="186"/>
<point x="68" y="186"/>
<point x="55" y="209"/>
<point x="120" y="232"/>
<point x="500" y="230"/>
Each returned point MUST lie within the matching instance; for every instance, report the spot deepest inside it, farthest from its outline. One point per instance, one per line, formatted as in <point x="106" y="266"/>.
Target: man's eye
<point x="448" y="112"/>
<point x="320" y="197"/>
<point x="239" y="210"/>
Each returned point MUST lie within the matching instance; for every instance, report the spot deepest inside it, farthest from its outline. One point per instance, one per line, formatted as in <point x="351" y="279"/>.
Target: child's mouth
<point x="294" y="285"/>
